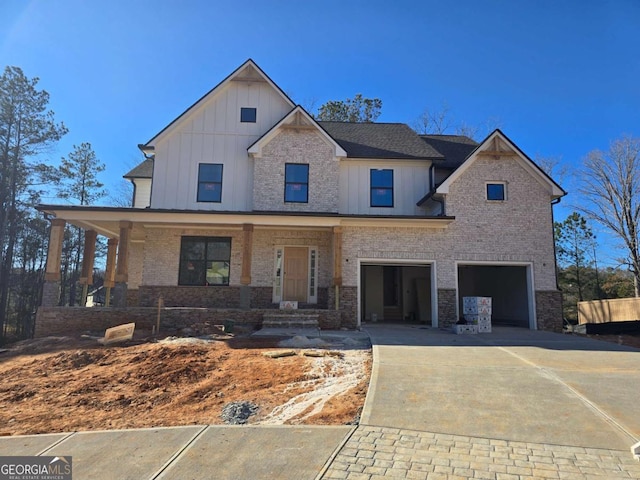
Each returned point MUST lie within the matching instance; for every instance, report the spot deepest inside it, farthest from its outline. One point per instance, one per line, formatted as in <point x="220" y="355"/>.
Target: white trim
<point x="527" y="164"/>
<point x="531" y="301"/>
<point x="400" y="262"/>
<point x="495" y="182"/>
<point x="255" y="150"/>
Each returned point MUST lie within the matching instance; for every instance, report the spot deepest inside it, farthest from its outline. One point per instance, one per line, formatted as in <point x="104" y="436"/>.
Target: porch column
<point x="51" y="287"/>
<point x="110" y="275"/>
<point x="122" y="265"/>
<point x="88" y="258"/>
<point x="245" y="278"/>
<point x="337" y="263"/>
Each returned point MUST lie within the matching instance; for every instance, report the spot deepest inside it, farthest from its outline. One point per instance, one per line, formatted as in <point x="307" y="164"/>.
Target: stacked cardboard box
<point x="477" y="311"/>
<point x="461" y="329"/>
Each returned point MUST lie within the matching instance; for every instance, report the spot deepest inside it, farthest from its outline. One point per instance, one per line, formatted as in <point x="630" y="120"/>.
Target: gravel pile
<point x="237" y="413"/>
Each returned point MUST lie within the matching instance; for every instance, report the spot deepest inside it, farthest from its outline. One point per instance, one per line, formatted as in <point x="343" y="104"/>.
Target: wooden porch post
<point x="337" y="263"/>
<point x="88" y="258"/>
<point x="122" y="264"/>
<point x="110" y="275"/>
<point x="247" y="254"/>
<point x="51" y="288"/>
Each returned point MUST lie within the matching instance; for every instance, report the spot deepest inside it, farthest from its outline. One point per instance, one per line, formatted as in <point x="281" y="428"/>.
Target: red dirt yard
<point x="63" y="384"/>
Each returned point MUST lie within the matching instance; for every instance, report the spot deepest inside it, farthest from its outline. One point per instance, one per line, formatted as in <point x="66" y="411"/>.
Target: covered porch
<point x="204" y="260"/>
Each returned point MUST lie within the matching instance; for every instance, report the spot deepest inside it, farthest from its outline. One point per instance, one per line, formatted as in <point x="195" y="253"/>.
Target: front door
<point x="296" y="273"/>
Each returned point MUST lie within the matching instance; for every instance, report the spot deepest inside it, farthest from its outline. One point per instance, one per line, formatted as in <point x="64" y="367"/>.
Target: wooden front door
<point x="296" y="273"/>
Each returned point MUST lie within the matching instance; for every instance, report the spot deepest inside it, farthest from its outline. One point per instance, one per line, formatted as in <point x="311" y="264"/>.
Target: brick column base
<point x="50" y="294"/>
<point x="120" y="295"/>
<point x="446" y="307"/>
<point x="549" y="310"/>
<point x="245" y="297"/>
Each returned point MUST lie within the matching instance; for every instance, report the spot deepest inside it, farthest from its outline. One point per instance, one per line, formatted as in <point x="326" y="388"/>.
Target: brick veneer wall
<point x="189" y="296"/>
<point x="446" y="307"/>
<point x="549" y="310"/>
<point x="77" y="320"/>
<point x="293" y="146"/>
<point x="348" y="307"/>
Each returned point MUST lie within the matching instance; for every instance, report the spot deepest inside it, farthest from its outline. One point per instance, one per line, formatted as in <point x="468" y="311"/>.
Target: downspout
<point x="432" y="181"/>
<point x="555" y="201"/>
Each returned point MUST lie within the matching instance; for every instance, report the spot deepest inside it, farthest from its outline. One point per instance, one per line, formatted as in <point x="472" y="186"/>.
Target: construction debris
<point x="279" y="353"/>
<point x="237" y="413"/>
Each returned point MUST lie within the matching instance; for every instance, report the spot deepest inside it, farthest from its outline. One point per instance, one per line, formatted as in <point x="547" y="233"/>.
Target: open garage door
<point x="399" y="293"/>
<point x="507" y="285"/>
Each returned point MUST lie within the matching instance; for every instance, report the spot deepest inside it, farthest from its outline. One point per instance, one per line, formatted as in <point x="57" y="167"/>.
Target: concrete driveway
<point x="513" y="384"/>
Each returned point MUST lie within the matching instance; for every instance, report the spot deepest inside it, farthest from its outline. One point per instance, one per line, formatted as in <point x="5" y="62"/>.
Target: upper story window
<point x="382" y="188"/>
<point x="496" y="192"/>
<point x="296" y="182"/>
<point x="248" y="115"/>
<point x="205" y="261"/>
<point x="210" y="182"/>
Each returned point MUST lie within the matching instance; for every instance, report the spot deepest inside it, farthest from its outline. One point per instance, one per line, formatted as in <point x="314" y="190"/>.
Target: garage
<point x="509" y="286"/>
<point x="396" y="292"/>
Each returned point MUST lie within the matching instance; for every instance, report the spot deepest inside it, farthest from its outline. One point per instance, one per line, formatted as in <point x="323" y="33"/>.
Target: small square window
<point x="495" y="192"/>
<point x="248" y="115"/>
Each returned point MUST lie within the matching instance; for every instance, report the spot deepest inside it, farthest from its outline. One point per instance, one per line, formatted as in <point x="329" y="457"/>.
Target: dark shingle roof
<point x="379" y="140"/>
<point x="144" y="170"/>
<point x="455" y="148"/>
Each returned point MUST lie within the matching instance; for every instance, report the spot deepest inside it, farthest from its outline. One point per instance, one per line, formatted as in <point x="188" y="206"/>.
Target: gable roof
<point x="556" y="190"/>
<point x="455" y="148"/>
<point x="298" y="117"/>
<point x="257" y="72"/>
<point x="143" y="170"/>
<point x="380" y="140"/>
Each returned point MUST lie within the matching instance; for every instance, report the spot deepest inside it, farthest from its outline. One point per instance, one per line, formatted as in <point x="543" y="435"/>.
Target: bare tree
<point x="434" y="121"/>
<point x="441" y="122"/>
<point x="553" y="167"/>
<point x="611" y="182"/>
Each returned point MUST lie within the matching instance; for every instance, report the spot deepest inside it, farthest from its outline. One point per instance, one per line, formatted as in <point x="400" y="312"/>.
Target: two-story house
<point x="245" y="200"/>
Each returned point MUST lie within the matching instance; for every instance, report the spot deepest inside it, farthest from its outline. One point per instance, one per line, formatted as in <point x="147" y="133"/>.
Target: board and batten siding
<point x="410" y="184"/>
<point x="214" y="134"/>
<point x="142" y="198"/>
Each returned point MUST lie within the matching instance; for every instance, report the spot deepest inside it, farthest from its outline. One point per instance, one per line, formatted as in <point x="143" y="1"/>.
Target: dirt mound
<point x="74" y="384"/>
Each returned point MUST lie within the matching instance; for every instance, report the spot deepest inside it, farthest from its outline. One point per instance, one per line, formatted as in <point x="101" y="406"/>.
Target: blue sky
<point x="560" y="77"/>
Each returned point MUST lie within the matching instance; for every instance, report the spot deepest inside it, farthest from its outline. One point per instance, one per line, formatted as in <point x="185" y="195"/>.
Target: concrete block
<point x="635" y="450"/>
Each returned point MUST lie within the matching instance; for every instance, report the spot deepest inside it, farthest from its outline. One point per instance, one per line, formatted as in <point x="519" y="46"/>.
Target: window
<point x="204" y="261"/>
<point x="210" y="182"/>
<point x="248" y="115"/>
<point x="296" y="183"/>
<point x="495" y="192"/>
<point x="382" y="188"/>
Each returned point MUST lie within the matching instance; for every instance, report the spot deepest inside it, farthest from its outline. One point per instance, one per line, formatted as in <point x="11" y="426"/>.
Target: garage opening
<point x="395" y="293"/>
<point x="508" y="286"/>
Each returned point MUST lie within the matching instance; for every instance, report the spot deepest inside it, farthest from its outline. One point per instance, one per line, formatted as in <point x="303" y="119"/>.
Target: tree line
<point x="28" y="133"/>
